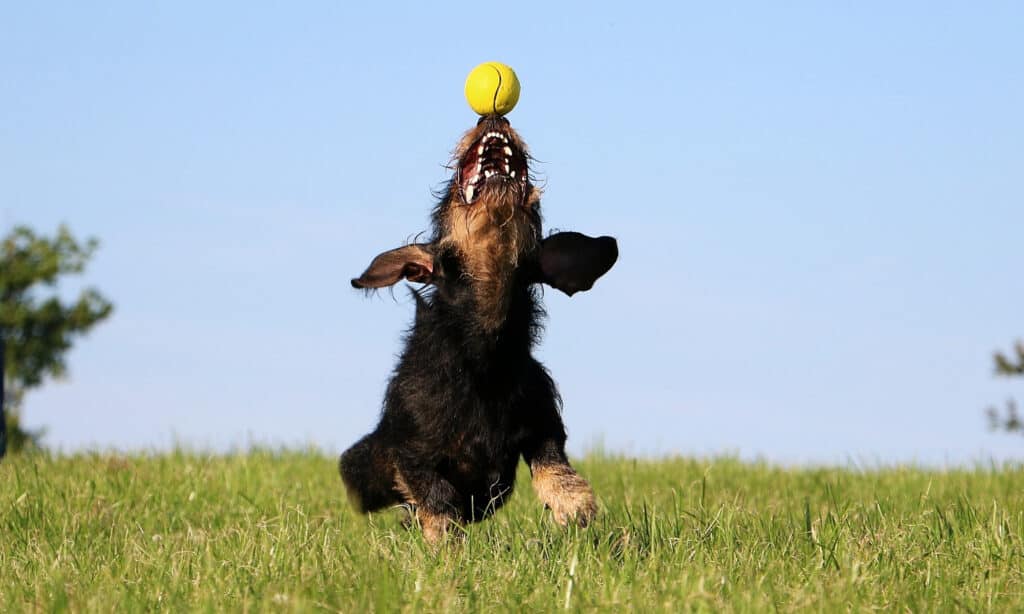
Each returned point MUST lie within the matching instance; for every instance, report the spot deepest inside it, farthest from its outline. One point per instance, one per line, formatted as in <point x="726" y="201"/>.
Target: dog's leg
<point x="368" y="471"/>
<point x="558" y="486"/>
<point x="434" y="499"/>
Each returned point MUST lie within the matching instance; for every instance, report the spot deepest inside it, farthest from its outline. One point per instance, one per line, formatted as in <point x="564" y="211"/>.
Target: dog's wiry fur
<point x="467" y="398"/>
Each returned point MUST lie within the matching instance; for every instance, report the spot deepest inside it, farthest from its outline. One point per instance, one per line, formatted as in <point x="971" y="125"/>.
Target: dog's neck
<point x="453" y="305"/>
<point x="490" y="253"/>
<point x="490" y="241"/>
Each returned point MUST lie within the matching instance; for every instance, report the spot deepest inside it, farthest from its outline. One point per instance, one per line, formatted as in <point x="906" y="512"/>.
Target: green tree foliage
<point x="1012" y="365"/>
<point x="1008" y="366"/>
<point x="37" y="327"/>
<point x="20" y="438"/>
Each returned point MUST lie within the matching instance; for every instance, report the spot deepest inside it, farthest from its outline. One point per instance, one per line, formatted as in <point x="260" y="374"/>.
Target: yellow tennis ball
<point x="492" y="87"/>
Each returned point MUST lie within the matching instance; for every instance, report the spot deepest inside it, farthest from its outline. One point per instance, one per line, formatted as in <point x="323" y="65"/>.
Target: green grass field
<point x="272" y="531"/>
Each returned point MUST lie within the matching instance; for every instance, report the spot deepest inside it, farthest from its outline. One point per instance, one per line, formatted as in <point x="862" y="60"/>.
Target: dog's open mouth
<point x="492" y="160"/>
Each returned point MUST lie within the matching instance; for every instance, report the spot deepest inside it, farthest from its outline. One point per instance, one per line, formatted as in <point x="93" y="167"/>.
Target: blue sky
<point x="819" y="208"/>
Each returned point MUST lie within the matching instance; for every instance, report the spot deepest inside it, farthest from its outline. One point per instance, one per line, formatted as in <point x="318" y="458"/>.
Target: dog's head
<point x="487" y="231"/>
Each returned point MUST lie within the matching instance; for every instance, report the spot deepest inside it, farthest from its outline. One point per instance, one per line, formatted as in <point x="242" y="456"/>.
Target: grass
<point x="270" y="530"/>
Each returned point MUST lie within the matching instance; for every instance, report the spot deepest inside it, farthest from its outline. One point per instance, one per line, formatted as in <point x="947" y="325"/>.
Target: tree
<point x="36" y="331"/>
<point x="1008" y="366"/>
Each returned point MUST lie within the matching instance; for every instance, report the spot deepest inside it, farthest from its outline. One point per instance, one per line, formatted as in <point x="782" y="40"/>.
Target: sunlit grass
<point x="272" y="531"/>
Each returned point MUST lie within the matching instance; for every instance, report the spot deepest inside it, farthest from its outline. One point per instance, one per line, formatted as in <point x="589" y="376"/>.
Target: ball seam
<point x="497" y="90"/>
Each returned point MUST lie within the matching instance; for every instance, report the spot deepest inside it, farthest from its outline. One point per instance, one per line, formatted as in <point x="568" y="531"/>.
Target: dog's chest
<point x="483" y="450"/>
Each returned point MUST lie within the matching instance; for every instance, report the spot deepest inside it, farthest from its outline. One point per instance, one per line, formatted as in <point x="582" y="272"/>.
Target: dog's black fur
<point x="467" y="397"/>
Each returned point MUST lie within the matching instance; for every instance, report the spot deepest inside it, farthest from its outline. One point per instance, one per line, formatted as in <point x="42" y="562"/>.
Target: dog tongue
<point x="468" y="169"/>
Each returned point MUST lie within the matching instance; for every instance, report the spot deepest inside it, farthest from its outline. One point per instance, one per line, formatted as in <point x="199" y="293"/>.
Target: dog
<point x="467" y="398"/>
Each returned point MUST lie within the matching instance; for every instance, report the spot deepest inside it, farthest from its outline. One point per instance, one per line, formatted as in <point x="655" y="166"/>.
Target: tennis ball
<point x="492" y="87"/>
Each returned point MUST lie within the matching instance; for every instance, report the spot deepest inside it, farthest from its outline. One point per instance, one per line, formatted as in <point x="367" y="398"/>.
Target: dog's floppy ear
<point x="413" y="262"/>
<point x="572" y="262"/>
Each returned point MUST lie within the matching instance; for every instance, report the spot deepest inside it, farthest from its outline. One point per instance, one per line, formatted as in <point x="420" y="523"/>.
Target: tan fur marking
<point x="565" y="493"/>
<point x="434" y="526"/>
<point x="491" y="235"/>
<point x="403" y="488"/>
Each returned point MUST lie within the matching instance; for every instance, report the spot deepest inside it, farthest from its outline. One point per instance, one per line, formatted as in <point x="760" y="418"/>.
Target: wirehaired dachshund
<point x="467" y="397"/>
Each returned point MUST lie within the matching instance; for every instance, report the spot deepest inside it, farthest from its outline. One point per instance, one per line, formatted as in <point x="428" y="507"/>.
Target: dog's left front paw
<point x="566" y="494"/>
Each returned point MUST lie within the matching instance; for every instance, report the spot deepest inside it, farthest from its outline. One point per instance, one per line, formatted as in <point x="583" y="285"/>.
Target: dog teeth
<point x="494" y="156"/>
<point x="495" y="135"/>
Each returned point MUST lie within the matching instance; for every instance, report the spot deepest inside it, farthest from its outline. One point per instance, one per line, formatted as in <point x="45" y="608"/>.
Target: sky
<point x="819" y="209"/>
